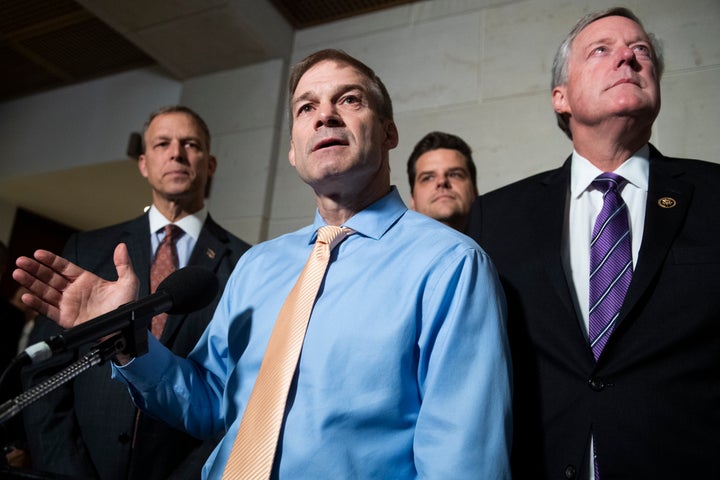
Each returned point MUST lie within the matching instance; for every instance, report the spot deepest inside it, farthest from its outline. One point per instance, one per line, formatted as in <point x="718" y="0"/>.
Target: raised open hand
<point x="70" y="295"/>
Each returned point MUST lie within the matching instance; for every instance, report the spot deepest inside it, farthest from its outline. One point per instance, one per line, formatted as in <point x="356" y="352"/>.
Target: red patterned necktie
<point x="165" y="263"/>
<point x="253" y="451"/>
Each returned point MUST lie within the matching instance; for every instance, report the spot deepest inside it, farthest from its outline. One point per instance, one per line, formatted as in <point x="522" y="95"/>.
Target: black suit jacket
<point x="85" y="430"/>
<point x="652" y="401"/>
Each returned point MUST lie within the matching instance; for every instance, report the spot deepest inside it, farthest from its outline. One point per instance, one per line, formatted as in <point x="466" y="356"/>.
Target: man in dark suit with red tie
<point x="90" y="428"/>
<point x="636" y="395"/>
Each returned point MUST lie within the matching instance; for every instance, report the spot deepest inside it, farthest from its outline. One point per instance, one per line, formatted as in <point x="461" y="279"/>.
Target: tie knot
<point x="332" y="235"/>
<point x="608" y="181"/>
<point x="172" y="232"/>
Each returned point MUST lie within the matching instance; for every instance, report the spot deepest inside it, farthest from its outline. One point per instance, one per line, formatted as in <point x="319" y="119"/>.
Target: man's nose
<point x="627" y="56"/>
<point x="328" y="116"/>
<point x="177" y="151"/>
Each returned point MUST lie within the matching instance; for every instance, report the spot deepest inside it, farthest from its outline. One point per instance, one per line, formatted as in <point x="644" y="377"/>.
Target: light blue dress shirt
<point x="405" y="369"/>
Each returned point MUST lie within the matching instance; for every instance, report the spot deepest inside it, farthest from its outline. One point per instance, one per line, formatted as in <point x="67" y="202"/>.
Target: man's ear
<point x="391" y="135"/>
<point x="142" y="166"/>
<point x="559" y="100"/>
<point x="212" y="165"/>
<point x="291" y="153"/>
<point x="412" y="203"/>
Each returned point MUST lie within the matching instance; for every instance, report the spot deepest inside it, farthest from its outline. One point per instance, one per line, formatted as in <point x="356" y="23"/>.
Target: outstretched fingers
<point x="70" y="295"/>
<point x="44" y="284"/>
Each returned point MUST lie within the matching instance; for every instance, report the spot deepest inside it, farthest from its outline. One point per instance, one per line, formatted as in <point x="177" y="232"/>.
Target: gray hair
<point x="560" y="63"/>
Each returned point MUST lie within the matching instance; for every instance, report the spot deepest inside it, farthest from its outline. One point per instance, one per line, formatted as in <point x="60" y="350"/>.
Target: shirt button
<point x="570" y="472"/>
<point x="596" y="384"/>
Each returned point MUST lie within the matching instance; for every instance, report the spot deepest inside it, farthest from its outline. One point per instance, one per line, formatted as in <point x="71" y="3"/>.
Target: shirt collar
<point x="636" y="170"/>
<point x="191" y="224"/>
<point x="374" y="220"/>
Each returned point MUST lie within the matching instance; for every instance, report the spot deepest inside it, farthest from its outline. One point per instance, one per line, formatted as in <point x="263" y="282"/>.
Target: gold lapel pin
<point x="210" y="253"/>
<point x="667" y="202"/>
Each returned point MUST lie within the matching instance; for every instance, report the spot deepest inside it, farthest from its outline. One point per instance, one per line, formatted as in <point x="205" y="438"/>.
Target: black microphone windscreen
<point x="191" y="288"/>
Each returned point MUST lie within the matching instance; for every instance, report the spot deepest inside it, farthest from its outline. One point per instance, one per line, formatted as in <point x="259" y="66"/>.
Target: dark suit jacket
<point x="652" y="400"/>
<point x="85" y="430"/>
<point x="13" y="321"/>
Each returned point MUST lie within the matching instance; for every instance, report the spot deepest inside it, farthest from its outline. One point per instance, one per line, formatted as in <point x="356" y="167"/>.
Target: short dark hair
<point x="178" y="109"/>
<point x="380" y="96"/>
<point x="560" y="62"/>
<point x="434" y="141"/>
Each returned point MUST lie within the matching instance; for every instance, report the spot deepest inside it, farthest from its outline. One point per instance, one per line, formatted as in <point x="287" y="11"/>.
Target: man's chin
<point x="443" y="215"/>
<point x="177" y="195"/>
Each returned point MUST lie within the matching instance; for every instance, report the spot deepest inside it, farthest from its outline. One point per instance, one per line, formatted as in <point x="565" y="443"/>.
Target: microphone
<point x="183" y="291"/>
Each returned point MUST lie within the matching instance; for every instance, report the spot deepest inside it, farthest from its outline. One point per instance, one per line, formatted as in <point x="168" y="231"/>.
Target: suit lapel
<point x="211" y="247"/>
<point x="549" y="220"/>
<point x="667" y="204"/>
<point x="548" y="217"/>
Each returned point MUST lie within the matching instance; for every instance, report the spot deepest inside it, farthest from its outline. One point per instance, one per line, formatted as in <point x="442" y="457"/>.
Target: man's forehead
<point x="176" y="124"/>
<point x="173" y="120"/>
<point x="443" y="156"/>
<point x="329" y="67"/>
<point x="601" y="27"/>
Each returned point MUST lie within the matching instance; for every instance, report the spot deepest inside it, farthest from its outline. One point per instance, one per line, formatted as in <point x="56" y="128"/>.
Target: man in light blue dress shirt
<point x="404" y="371"/>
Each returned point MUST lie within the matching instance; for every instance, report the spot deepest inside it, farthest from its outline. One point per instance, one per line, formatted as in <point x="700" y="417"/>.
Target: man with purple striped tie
<point x="611" y="266"/>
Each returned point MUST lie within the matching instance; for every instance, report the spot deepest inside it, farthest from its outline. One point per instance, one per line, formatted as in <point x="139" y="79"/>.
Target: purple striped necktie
<point x="610" y="266"/>
<point x="610" y="261"/>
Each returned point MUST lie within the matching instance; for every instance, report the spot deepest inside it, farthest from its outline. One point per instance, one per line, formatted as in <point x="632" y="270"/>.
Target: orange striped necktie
<point x="253" y="451"/>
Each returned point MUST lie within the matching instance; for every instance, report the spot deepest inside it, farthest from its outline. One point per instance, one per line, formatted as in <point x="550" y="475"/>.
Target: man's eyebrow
<point x="449" y="170"/>
<point x="352" y="86"/>
<point x="303" y="97"/>
<point x="339" y="90"/>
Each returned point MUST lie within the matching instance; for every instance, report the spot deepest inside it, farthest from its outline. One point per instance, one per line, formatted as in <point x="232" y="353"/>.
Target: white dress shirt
<point x="191" y="225"/>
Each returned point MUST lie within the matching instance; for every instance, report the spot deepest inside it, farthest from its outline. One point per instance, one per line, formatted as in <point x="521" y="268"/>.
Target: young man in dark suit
<point x="638" y="394"/>
<point x="90" y="428"/>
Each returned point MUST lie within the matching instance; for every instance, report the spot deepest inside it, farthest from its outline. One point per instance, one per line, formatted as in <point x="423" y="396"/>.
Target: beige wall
<point x="479" y="69"/>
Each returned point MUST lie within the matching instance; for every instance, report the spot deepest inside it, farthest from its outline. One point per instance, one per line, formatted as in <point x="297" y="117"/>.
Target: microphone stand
<point x="131" y="341"/>
<point x="95" y="356"/>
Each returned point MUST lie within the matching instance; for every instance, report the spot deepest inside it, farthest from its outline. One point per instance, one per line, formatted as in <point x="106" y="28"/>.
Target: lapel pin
<point x="667" y="202"/>
<point x="210" y="253"/>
